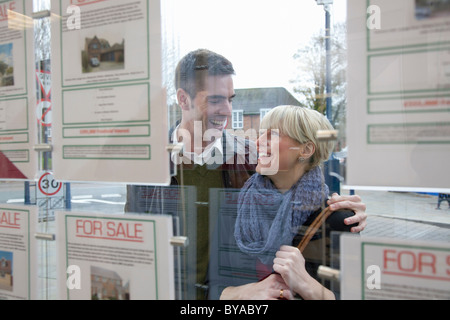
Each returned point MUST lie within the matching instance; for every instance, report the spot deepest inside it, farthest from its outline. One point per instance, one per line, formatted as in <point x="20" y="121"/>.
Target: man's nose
<point x="227" y="109"/>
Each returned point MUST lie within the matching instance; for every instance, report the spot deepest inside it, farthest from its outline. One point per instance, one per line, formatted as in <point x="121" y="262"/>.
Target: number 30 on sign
<point x="48" y="185"/>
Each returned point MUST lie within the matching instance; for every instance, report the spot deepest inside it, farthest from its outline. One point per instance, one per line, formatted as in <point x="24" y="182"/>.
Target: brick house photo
<point x="6" y="271"/>
<point x="99" y="55"/>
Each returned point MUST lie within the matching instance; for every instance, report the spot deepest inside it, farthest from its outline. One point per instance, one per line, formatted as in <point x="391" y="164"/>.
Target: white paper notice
<point x="18" y="160"/>
<point x="398" y="95"/>
<point x="110" y="118"/>
<point x="115" y="257"/>
<point x="18" y="267"/>
<point x="391" y="269"/>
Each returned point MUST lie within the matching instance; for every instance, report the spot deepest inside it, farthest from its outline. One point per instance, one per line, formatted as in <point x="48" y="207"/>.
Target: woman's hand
<point x="337" y="202"/>
<point x="290" y="264"/>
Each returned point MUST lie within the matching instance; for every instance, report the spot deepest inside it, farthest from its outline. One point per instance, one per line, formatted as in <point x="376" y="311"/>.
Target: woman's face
<point x="278" y="153"/>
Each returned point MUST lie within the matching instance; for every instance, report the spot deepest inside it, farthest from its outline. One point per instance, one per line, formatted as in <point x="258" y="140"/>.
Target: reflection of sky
<point x="260" y="37"/>
<point x="6" y="255"/>
<point x="6" y="53"/>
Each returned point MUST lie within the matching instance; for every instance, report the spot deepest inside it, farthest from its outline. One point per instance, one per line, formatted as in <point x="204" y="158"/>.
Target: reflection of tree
<point x="170" y="57"/>
<point x="310" y="84"/>
<point x="422" y="3"/>
<point x="3" y="67"/>
<point x="42" y="34"/>
<point x="434" y="5"/>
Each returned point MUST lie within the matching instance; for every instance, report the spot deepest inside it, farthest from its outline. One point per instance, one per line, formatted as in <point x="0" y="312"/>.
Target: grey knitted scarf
<point x="268" y="219"/>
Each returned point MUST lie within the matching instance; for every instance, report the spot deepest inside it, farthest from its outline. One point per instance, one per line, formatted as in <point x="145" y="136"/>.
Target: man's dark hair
<point x="192" y="70"/>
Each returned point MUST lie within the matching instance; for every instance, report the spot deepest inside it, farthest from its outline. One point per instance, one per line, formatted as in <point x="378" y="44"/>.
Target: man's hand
<point x="354" y="203"/>
<point x="271" y="288"/>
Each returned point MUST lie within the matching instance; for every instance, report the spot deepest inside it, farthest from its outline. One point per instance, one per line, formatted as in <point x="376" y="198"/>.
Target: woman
<point x="286" y="190"/>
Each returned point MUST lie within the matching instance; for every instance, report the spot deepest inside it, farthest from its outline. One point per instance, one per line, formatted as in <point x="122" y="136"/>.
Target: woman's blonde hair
<point x="301" y="124"/>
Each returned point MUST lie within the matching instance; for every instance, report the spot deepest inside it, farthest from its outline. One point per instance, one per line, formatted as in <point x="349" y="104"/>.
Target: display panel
<point x="111" y="104"/>
<point x="115" y="257"/>
<point x="18" y="127"/>
<point x="18" y="256"/>
<point x="398" y="101"/>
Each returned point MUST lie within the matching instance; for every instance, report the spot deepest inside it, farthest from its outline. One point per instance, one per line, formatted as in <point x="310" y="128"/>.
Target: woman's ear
<point x="308" y="150"/>
<point x="184" y="100"/>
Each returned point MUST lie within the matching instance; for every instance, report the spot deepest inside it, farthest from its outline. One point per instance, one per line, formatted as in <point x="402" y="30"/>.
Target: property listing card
<point x="398" y="94"/>
<point x="110" y="119"/>
<point x="393" y="269"/>
<point x="114" y="257"/>
<point x="18" y="123"/>
<point x="18" y="264"/>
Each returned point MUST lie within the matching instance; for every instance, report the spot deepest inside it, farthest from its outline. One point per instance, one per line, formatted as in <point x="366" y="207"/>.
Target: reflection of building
<point x="6" y="80"/>
<point x="6" y="278"/>
<point x="102" y="50"/>
<point x="251" y="105"/>
<point x="108" y="285"/>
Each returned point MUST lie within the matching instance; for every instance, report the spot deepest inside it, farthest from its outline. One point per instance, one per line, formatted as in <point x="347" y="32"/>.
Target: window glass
<point x="272" y="107"/>
<point x="238" y="119"/>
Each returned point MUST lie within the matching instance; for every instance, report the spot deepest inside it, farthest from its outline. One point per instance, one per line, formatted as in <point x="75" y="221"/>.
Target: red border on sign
<point x="48" y="194"/>
<point x="41" y="119"/>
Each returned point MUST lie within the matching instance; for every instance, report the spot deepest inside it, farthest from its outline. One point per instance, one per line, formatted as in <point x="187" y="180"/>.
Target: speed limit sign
<point x="48" y="186"/>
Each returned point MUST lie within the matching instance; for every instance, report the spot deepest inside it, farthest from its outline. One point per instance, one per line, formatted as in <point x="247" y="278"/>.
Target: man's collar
<point x="213" y="151"/>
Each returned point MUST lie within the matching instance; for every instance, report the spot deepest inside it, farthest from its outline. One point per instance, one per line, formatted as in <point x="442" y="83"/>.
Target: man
<point x="212" y="157"/>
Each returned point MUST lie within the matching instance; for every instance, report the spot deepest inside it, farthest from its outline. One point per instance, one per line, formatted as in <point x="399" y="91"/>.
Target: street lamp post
<point x="331" y="167"/>
<point x="327" y="5"/>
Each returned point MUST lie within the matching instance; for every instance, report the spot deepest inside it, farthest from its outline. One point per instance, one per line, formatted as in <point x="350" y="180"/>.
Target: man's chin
<point x="216" y="128"/>
<point x="217" y="124"/>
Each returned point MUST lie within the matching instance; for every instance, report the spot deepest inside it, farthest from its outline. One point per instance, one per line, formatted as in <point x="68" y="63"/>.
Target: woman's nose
<point x="262" y="142"/>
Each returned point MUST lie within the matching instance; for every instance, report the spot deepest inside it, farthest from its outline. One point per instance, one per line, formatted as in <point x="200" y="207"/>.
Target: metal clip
<point x="201" y="204"/>
<point x="327" y="135"/>
<point x="328" y="273"/>
<point x="175" y="147"/>
<point x="43" y="148"/>
<point x="179" y="241"/>
<point x="41" y="14"/>
<point x="45" y="236"/>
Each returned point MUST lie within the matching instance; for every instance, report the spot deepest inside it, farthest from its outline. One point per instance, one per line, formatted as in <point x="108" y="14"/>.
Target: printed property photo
<point x="6" y="65"/>
<point x="99" y="55"/>
<point x="427" y="9"/>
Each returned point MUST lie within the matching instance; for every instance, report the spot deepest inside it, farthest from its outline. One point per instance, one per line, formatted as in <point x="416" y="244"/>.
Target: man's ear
<point x="184" y="100"/>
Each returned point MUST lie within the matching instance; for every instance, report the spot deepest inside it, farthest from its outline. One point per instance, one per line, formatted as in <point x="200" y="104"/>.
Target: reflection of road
<point x="108" y="66"/>
<point x="84" y="197"/>
<point x="98" y="197"/>
<point x="439" y="14"/>
<point x="5" y="287"/>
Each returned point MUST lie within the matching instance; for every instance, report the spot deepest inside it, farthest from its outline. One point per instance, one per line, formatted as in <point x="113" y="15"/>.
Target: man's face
<point x="212" y="106"/>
